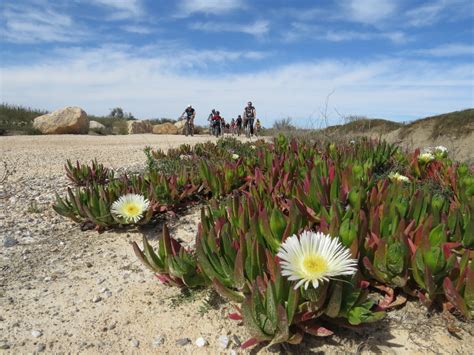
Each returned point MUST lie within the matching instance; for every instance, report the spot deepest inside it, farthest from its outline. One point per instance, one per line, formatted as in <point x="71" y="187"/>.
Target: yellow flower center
<point x="314" y="264"/>
<point x="132" y="209"/>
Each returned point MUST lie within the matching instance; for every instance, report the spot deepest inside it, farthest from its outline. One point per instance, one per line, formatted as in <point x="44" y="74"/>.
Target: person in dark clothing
<point x="249" y="116"/>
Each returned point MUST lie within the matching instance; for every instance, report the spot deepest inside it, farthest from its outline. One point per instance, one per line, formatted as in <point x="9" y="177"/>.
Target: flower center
<point x="132" y="209"/>
<point x="314" y="264"/>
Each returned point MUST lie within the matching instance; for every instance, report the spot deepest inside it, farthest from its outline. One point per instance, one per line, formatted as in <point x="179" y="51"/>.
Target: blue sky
<point x="400" y="59"/>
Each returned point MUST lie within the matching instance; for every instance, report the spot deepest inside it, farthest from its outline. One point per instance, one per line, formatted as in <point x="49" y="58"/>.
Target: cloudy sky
<point x="397" y="59"/>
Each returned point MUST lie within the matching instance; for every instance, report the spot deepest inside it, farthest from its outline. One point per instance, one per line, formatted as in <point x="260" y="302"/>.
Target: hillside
<point x="455" y="130"/>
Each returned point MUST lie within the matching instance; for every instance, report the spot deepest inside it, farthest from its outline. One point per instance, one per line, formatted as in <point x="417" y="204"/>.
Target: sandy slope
<point x="51" y="278"/>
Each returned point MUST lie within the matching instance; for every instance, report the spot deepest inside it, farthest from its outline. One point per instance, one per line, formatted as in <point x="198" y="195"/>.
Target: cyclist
<point x="209" y="119"/>
<point x="216" y="124"/>
<point x="238" y="123"/>
<point x="249" y="116"/>
<point x="189" y="114"/>
<point x="258" y="126"/>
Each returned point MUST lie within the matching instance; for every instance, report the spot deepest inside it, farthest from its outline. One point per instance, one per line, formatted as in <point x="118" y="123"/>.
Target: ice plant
<point x="398" y="177"/>
<point x="314" y="258"/>
<point x="130" y="207"/>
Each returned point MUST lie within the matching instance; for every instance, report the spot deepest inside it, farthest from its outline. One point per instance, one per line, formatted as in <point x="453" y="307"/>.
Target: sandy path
<point x="85" y="292"/>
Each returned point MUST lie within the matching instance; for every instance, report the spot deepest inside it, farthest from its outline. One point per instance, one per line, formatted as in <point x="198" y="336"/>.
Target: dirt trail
<point x="67" y="291"/>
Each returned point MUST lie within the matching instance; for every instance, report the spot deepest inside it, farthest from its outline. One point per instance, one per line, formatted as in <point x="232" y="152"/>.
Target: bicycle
<point x="248" y="127"/>
<point x="216" y="128"/>
<point x="188" y="128"/>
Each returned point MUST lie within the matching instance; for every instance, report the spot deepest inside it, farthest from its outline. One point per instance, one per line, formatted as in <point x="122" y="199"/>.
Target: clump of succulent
<point x="297" y="235"/>
<point x="84" y="175"/>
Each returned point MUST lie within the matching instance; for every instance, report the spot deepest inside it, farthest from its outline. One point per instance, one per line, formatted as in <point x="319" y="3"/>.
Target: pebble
<point x="201" y="342"/>
<point x="99" y="281"/>
<point x="4" y="345"/>
<point x="9" y="242"/>
<point x="183" y="341"/>
<point x="223" y="341"/>
<point x="36" y="333"/>
<point x="41" y="347"/>
<point x="159" y="341"/>
<point x="135" y="343"/>
<point x="236" y="340"/>
<point x="97" y="299"/>
<point x="108" y="294"/>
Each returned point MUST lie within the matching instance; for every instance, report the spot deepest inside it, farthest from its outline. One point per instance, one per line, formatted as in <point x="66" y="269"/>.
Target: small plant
<point x="84" y="175"/>
<point x="33" y="207"/>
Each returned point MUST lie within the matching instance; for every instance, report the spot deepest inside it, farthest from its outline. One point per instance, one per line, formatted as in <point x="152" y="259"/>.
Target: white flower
<point x="352" y="142"/>
<point x="398" y="177"/>
<point x="235" y="156"/>
<point x="426" y="157"/>
<point x="314" y="258"/>
<point x="441" y="149"/>
<point x="130" y="207"/>
<point x="253" y="147"/>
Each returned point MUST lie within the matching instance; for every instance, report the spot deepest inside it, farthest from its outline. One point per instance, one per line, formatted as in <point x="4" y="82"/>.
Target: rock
<point x="223" y="341"/>
<point x="40" y="347"/>
<point x="180" y="125"/>
<point x="99" y="281"/>
<point x="97" y="299"/>
<point x="159" y="341"/>
<point x="96" y="127"/>
<point x="9" y="242"/>
<point x="36" y="333"/>
<point x="201" y="342"/>
<point x="4" y="345"/>
<point x="183" y="341"/>
<point x="165" y="128"/>
<point x="69" y="120"/>
<point x="139" y="127"/>
<point x="135" y="343"/>
<point x="236" y="340"/>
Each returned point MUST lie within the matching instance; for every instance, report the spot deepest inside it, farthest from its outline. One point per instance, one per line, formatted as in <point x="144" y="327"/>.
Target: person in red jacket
<point x="216" y="124"/>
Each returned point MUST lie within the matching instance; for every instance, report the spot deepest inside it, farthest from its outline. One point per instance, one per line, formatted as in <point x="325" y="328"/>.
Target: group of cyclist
<point x="250" y="124"/>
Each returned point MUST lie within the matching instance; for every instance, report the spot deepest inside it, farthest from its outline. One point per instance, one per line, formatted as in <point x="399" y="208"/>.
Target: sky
<point x="314" y="61"/>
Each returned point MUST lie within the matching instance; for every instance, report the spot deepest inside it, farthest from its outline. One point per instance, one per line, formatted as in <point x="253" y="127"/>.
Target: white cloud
<point x="121" y="9"/>
<point x="369" y="11"/>
<point x="445" y="50"/>
<point x="303" y="31"/>
<point x="434" y="11"/>
<point x="40" y="23"/>
<point x="143" y="30"/>
<point x="215" y="7"/>
<point x="258" y="28"/>
<point x="152" y="83"/>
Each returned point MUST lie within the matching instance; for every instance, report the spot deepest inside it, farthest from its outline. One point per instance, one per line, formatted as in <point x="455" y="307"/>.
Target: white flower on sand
<point x="426" y="157"/>
<point x="130" y="207"/>
<point x="398" y="177"/>
<point x="235" y="156"/>
<point x="314" y="258"/>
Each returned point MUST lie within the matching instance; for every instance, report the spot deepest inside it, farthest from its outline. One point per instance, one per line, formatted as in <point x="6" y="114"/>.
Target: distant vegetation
<point x="18" y="119"/>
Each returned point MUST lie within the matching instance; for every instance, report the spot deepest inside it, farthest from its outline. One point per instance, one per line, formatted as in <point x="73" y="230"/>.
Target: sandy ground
<point x="67" y="291"/>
